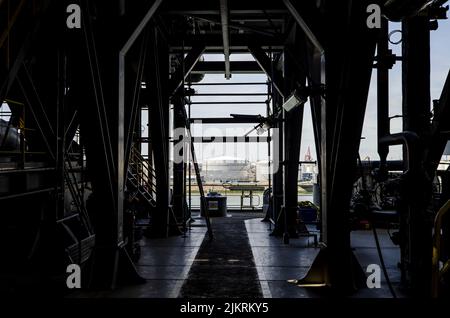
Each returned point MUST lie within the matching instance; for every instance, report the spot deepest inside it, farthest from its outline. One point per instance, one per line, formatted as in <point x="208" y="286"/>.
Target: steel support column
<point x="293" y="122"/>
<point x="226" y="36"/>
<point x="416" y="217"/>
<point x="93" y="84"/>
<point x="278" y="156"/>
<point x="157" y="74"/>
<point x="348" y="71"/>
<point x="292" y="142"/>
<point x="179" y="165"/>
<point x="383" y="92"/>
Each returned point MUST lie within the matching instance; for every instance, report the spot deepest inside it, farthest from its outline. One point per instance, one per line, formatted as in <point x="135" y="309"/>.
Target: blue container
<point x="308" y="215"/>
<point x="216" y="205"/>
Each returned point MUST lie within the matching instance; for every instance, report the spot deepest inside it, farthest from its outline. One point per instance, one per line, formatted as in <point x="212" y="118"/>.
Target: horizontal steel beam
<point x="232" y="12"/>
<point x="219" y="67"/>
<point x="220" y="139"/>
<point x="214" y="42"/>
<point x="228" y="94"/>
<point x="228" y="103"/>
<point x="26" y="170"/>
<point x="225" y="120"/>
<point x="230" y="84"/>
<point x="231" y="139"/>
<point x="28" y="193"/>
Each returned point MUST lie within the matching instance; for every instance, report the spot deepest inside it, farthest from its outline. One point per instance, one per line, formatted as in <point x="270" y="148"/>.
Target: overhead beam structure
<point x="185" y="68"/>
<point x="238" y="42"/>
<point x="225" y="120"/>
<point x="237" y="67"/>
<point x="231" y="139"/>
<point x="266" y="66"/>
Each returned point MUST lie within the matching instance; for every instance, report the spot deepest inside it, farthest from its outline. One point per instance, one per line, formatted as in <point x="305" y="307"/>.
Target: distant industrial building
<point x="227" y="169"/>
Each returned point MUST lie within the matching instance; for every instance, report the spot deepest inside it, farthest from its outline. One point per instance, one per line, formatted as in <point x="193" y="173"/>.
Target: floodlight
<point x="293" y="101"/>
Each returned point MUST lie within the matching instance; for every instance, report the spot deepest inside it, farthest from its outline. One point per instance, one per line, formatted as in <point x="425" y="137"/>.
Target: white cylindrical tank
<point x="226" y="169"/>
<point x="262" y="171"/>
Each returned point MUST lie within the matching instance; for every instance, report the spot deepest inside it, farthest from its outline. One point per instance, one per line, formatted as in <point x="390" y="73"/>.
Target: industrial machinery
<point x="80" y="182"/>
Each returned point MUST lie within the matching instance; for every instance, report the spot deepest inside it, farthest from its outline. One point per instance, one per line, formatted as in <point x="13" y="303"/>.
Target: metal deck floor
<point x="166" y="263"/>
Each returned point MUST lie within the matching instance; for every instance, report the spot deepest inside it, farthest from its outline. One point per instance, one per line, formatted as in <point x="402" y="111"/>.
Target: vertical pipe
<point x="22" y="140"/>
<point x="416" y="222"/>
<point x="190" y="159"/>
<point x="269" y="175"/>
<point x="60" y="151"/>
<point x="178" y="164"/>
<point x="383" y="93"/>
<point x="225" y="36"/>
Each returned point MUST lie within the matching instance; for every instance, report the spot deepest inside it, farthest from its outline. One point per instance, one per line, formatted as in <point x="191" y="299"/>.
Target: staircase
<point x="141" y="178"/>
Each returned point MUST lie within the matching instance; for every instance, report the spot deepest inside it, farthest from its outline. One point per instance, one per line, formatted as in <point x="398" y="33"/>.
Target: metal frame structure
<point x="86" y="80"/>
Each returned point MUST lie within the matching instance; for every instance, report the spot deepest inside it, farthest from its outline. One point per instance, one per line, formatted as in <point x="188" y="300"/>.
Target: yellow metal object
<point x="437" y="272"/>
<point x="9" y="101"/>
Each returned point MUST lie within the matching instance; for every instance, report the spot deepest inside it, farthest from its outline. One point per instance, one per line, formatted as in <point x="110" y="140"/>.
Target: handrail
<point x="436" y="271"/>
<point x="142" y="173"/>
<point x="144" y="169"/>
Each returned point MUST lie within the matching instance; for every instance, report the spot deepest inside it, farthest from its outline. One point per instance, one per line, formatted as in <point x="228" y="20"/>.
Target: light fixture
<point x="260" y="130"/>
<point x="293" y="101"/>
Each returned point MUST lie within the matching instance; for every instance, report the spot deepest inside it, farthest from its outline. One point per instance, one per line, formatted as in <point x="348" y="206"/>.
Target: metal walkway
<point x="224" y="267"/>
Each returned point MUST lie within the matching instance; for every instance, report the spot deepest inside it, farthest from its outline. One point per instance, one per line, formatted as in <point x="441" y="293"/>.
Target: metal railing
<point x="142" y="176"/>
<point x="22" y="153"/>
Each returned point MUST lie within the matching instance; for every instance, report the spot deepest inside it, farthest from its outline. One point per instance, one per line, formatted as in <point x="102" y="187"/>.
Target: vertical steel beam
<point x="292" y="135"/>
<point x="383" y="92"/>
<point x="179" y="123"/>
<point x="225" y="36"/>
<point x="157" y="74"/>
<point x="416" y="219"/>
<point x="105" y="126"/>
<point x="278" y="168"/>
<point x="348" y="72"/>
<point x="121" y="107"/>
<point x="319" y="71"/>
<point x="416" y="74"/>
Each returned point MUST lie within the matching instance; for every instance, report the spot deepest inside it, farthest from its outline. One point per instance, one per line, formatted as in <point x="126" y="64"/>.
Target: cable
<point x="374" y="230"/>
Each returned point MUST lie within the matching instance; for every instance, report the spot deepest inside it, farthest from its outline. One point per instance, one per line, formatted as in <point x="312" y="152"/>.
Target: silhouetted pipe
<point x="396" y="10"/>
<point x="410" y="140"/>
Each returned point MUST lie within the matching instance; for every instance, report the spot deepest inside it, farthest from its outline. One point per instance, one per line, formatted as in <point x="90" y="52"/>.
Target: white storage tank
<point x="226" y="169"/>
<point x="262" y="171"/>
